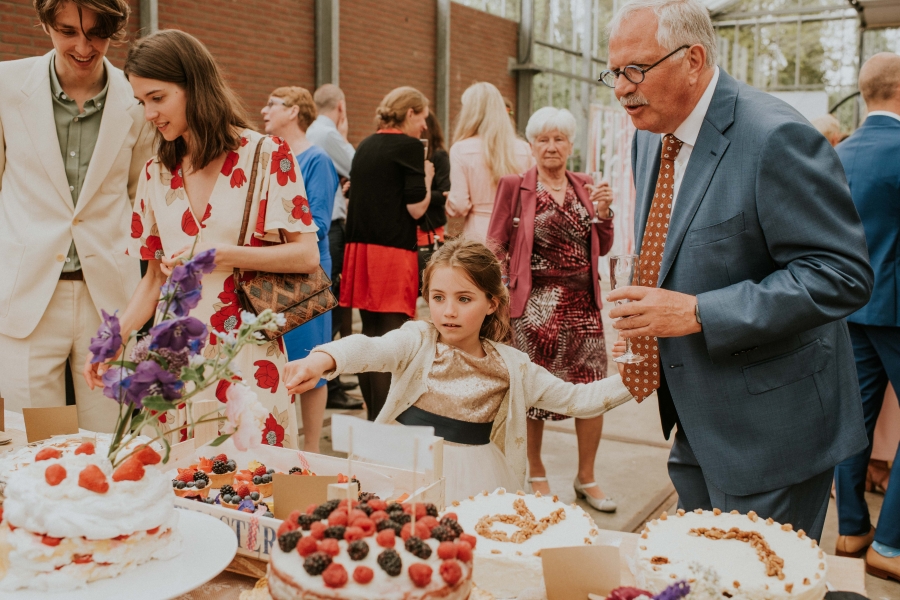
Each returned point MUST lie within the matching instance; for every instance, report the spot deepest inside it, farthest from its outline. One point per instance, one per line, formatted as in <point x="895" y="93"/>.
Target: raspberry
<point x="85" y="448"/>
<point x="307" y="546"/>
<point x="378" y="516"/>
<point x="93" y="479"/>
<point x="335" y="532"/>
<point x="471" y="539"/>
<point x="147" y="456"/>
<point x="367" y="526"/>
<point x="428" y="521"/>
<point x="464" y="551"/>
<point x="185" y="475"/>
<point x="450" y="572"/>
<point x="450" y="515"/>
<point x="421" y="532"/>
<point x="261" y="470"/>
<point x="294" y="516"/>
<point x="334" y="576"/>
<point x="358" y="550"/>
<point x="420" y="574"/>
<point x="356" y="514"/>
<point x="130" y="470"/>
<point x="451" y="524"/>
<point x="55" y="474"/>
<point x="243" y="491"/>
<point x="386" y="538"/>
<point x="418" y="547"/>
<point x="353" y="533"/>
<point x="390" y="562"/>
<point x="329" y="546"/>
<point x="447" y="550"/>
<point x="317" y="530"/>
<point x="288" y="541"/>
<point x="285" y="527"/>
<point x="316" y="562"/>
<point x="363" y="574"/>
<point x="311" y="509"/>
<point x="377" y="504"/>
<point x="47" y="453"/>
<point x="338" y="517"/>
<point x="221" y="457"/>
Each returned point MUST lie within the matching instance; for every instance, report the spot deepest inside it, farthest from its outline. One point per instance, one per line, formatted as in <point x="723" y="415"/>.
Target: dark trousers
<point x="877" y="353"/>
<point x="375" y="386"/>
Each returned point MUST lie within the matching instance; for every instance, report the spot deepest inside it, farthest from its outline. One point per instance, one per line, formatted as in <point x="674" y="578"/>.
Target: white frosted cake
<point x="69" y="519"/>
<point x="511" y="530"/>
<point x="730" y="555"/>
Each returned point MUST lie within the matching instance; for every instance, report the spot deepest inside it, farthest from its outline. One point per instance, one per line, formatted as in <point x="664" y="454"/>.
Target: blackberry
<point x="366" y="496"/>
<point x="417" y="547"/>
<point x="226" y="490"/>
<point x="288" y="541"/>
<point x="336" y="532"/>
<point x="442" y="534"/>
<point x="198" y="475"/>
<point x="431" y="510"/>
<point x="358" y="550"/>
<point x="394" y="507"/>
<point x="323" y="510"/>
<point x="295" y="470"/>
<point x="219" y="467"/>
<point x="365" y="508"/>
<point x="316" y="562"/>
<point x="390" y="562"/>
<point x="389" y="524"/>
<point x="304" y="521"/>
<point x="402" y="518"/>
<point x="453" y="526"/>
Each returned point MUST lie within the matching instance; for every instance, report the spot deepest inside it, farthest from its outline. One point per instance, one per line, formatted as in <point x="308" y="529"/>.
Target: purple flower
<point x="177" y="334"/>
<point x="675" y="591"/>
<point x="179" y="301"/>
<point x="108" y="341"/>
<point x="116" y="382"/>
<point x="150" y="379"/>
<point x="188" y="275"/>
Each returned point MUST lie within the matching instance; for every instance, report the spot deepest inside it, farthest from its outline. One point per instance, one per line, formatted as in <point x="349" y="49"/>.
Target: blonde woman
<point x="485" y="148"/>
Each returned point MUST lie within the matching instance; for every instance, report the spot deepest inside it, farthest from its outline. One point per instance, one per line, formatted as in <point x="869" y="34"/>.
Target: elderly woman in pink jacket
<point x="554" y="281"/>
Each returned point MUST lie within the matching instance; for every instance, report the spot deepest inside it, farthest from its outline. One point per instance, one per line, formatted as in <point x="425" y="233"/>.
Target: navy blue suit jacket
<point x="871" y="158"/>
<point x="765" y="234"/>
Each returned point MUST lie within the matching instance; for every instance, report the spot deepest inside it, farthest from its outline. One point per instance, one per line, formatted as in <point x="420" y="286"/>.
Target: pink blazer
<point x="500" y="231"/>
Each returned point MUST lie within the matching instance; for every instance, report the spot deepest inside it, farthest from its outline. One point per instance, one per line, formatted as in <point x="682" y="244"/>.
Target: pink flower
<point x="245" y="417"/>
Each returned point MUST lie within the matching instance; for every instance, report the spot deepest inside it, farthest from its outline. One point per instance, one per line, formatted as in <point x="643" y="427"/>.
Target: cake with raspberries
<point x="69" y="518"/>
<point x="512" y="529"/>
<point x="730" y="555"/>
<point x="371" y="552"/>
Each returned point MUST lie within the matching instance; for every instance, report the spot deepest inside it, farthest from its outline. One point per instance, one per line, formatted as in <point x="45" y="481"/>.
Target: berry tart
<point x="370" y="552"/>
<point x="259" y="476"/>
<point x="190" y="483"/>
<point x="219" y="468"/>
<point x="243" y="498"/>
<point x="69" y="518"/>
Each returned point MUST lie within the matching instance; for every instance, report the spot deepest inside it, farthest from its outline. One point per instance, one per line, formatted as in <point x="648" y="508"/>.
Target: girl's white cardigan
<point x="408" y="354"/>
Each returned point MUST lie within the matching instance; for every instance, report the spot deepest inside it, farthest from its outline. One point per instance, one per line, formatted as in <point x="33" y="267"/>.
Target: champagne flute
<point x="425" y="144"/>
<point x="624" y="271"/>
<point x="597" y="177"/>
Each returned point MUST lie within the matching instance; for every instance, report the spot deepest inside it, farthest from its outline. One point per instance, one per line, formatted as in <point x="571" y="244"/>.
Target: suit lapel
<point x="114" y="128"/>
<point x="645" y="183"/>
<point x="36" y="109"/>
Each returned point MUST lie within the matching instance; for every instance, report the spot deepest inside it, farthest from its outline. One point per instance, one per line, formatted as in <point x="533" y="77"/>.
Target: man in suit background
<point x="871" y="159"/>
<point x="74" y="142"/>
<point x="752" y="254"/>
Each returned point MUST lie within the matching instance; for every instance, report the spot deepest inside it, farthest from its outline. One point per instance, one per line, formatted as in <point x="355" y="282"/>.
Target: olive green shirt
<point x="77" y="133"/>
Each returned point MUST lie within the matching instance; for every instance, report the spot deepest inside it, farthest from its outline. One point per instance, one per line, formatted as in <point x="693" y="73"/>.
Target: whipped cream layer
<point x="505" y="568"/>
<point x="68" y="510"/>
<point x="668" y="551"/>
<point x="288" y="580"/>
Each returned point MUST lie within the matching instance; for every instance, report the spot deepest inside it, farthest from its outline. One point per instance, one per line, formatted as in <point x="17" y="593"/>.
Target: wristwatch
<point x="611" y="213"/>
<point x="697" y="313"/>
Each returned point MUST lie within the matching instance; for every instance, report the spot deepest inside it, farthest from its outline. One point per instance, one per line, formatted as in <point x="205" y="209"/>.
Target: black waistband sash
<point x="452" y="430"/>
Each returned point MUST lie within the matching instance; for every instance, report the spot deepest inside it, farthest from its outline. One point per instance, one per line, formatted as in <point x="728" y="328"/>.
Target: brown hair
<point x="215" y="116"/>
<point x="302" y="99"/>
<point x="112" y="16"/>
<point x="482" y="268"/>
<point x="392" y="110"/>
<point x="434" y="134"/>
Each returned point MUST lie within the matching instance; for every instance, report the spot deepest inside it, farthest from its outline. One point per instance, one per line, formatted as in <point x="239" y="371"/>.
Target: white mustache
<point x="633" y="99"/>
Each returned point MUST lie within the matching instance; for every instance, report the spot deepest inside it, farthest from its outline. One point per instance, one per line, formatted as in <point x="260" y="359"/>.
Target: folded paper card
<point x="573" y="573"/>
<point x="44" y="423"/>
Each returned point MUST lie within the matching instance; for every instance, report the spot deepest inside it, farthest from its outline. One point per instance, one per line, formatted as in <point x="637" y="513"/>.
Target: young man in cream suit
<point x="73" y="142"/>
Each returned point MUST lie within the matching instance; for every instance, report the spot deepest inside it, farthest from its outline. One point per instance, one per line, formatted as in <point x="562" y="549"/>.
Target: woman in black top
<point x="391" y="189"/>
<point x="430" y="230"/>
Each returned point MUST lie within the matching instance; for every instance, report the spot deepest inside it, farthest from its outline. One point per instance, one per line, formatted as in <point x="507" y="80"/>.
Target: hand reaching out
<point x="302" y="375"/>
<point x="618" y="350"/>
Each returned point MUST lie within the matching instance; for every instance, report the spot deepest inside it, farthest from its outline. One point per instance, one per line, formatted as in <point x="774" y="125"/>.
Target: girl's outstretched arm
<point x="302" y="375"/>
<point x="583" y="400"/>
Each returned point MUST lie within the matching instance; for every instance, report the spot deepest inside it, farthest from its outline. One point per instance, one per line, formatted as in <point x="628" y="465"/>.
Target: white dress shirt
<point x="324" y="133"/>
<point x="688" y="131"/>
<point x="883" y="113"/>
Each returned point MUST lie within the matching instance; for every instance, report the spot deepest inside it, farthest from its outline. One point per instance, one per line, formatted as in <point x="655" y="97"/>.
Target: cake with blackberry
<point x="219" y="468"/>
<point x="370" y="551"/>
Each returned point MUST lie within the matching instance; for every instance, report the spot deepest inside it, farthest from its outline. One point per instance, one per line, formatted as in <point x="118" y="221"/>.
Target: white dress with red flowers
<point x="163" y="223"/>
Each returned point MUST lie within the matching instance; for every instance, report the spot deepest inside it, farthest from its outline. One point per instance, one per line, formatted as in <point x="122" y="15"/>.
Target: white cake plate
<point x="209" y="546"/>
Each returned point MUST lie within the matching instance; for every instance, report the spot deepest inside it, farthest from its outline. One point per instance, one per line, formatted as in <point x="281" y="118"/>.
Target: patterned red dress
<point x="561" y="328"/>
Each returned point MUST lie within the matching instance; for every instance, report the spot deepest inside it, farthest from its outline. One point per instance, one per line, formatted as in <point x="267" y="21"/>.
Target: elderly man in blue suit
<point x="752" y="254"/>
<point x="871" y="159"/>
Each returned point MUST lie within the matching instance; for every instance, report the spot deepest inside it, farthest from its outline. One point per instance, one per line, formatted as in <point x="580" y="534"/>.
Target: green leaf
<point x="128" y="364"/>
<point x="157" y="403"/>
<point x="220" y="439"/>
<point x="166" y="448"/>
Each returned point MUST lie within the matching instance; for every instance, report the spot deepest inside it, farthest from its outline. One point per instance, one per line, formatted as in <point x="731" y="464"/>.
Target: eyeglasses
<point x="274" y="102"/>
<point x="633" y="73"/>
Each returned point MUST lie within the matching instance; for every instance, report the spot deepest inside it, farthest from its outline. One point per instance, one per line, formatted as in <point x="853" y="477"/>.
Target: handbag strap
<point x="248" y="204"/>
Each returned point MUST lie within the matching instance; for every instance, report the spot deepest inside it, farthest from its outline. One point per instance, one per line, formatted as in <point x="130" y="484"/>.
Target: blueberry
<point x="180" y="485"/>
<point x="266" y="478"/>
<point x="271" y="471"/>
<point x="254" y="496"/>
<point x="227" y="499"/>
<point x="257" y="480"/>
<point x="174" y="483"/>
<point x="200" y="484"/>
<point x="189" y="484"/>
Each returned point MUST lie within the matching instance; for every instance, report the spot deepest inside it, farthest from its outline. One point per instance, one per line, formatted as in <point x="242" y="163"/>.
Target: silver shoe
<point x="537" y="480"/>
<point x="607" y="505"/>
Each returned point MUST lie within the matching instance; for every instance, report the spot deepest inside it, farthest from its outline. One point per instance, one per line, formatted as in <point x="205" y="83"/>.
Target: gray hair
<point x="550" y="119"/>
<point x="679" y="23"/>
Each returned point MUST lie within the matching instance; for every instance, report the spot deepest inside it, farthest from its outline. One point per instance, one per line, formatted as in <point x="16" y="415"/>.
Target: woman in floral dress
<point x="190" y="193"/>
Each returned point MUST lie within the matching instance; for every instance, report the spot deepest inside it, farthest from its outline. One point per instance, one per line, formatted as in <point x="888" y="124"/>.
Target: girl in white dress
<point x="456" y="374"/>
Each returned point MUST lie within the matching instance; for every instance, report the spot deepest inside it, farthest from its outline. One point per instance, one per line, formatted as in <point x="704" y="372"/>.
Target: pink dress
<point x="163" y="223"/>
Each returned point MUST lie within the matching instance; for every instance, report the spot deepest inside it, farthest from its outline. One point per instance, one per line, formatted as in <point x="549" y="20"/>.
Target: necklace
<point x="555" y="188"/>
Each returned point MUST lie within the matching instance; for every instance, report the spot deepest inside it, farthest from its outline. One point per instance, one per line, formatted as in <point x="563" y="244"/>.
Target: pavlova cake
<point x="371" y="552"/>
<point x="730" y="555"/>
<point x="511" y="529"/>
<point x="69" y="518"/>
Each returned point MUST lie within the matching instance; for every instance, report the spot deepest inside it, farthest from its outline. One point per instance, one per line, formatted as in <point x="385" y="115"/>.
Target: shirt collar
<point x="689" y="129"/>
<point x="58" y="93"/>
<point x="326" y="122"/>
<point x="883" y="113"/>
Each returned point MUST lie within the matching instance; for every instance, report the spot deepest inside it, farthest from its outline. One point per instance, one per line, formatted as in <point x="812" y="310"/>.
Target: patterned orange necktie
<point x="643" y="379"/>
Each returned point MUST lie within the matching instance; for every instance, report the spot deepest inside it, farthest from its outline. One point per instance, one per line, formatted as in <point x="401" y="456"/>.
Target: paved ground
<point x="631" y="467"/>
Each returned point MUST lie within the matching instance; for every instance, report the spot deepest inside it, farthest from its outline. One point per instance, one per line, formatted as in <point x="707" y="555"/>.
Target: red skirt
<point x="380" y="279"/>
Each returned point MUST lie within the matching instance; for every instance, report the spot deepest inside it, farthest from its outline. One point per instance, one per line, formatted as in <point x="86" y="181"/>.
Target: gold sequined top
<point x="465" y="387"/>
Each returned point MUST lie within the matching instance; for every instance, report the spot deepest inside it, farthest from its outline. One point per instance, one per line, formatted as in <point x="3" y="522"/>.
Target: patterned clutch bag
<point x="301" y="297"/>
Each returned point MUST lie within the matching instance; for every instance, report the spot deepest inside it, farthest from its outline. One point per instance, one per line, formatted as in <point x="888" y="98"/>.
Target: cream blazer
<point x="408" y="354"/>
<point x="37" y="218"/>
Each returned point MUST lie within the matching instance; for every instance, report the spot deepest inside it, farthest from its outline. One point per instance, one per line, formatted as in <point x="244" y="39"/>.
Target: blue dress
<point x="321" y="181"/>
